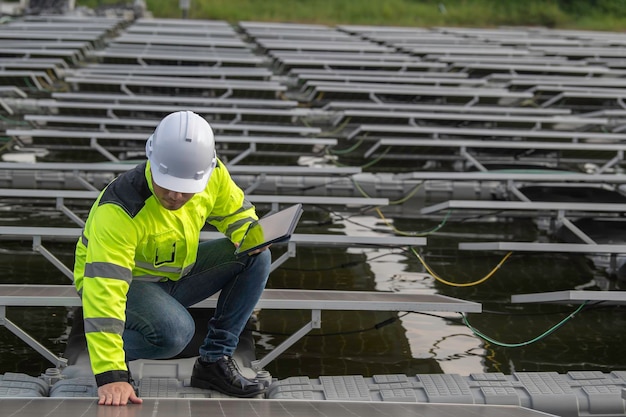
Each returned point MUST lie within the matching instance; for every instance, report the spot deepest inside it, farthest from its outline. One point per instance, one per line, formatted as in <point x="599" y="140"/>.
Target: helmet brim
<point x="181" y="185"/>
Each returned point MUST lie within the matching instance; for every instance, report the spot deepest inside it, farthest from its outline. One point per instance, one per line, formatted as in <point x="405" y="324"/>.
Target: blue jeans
<point x="158" y="325"/>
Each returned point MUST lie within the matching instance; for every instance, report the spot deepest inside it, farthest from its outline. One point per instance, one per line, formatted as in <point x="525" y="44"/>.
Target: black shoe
<point x="224" y="376"/>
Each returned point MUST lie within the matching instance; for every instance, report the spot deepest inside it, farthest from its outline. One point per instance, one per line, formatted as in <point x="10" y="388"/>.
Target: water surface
<point x="370" y="343"/>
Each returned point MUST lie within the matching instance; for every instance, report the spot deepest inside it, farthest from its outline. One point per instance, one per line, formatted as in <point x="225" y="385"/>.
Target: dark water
<point x="358" y="343"/>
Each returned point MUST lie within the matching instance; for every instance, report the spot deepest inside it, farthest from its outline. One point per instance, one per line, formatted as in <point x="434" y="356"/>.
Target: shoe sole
<point x="200" y="383"/>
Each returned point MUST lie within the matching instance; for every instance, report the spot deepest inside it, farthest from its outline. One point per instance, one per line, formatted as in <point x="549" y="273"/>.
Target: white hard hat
<point x="181" y="152"/>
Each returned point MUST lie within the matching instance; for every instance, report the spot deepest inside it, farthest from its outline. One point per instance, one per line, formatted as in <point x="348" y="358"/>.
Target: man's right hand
<point x="117" y="393"/>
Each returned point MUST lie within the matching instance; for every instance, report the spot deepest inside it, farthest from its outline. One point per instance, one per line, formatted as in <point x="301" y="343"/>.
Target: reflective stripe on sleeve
<point x="104" y="325"/>
<point x="108" y="270"/>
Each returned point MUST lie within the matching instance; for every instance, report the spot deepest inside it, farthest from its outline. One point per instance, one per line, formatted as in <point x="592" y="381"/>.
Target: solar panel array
<point x="402" y="101"/>
<point x="313" y="110"/>
<point x="311" y="81"/>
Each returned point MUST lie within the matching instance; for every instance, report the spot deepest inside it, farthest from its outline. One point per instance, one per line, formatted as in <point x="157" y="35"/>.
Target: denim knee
<point x="262" y="263"/>
<point x="177" y="335"/>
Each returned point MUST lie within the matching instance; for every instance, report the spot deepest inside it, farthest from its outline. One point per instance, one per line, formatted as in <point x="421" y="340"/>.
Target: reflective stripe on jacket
<point x="129" y="235"/>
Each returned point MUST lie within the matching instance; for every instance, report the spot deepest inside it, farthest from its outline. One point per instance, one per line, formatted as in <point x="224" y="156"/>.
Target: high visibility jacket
<point x="129" y="235"/>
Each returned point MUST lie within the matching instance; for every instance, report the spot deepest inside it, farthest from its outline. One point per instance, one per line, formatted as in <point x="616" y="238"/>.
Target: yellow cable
<point x="391" y="203"/>
<point x="467" y="284"/>
<point x="492" y="356"/>
<point x="401" y="201"/>
<point x="281" y="95"/>
<point x="47" y="87"/>
<point x="430" y="271"/>
<point x="6" y="145"/>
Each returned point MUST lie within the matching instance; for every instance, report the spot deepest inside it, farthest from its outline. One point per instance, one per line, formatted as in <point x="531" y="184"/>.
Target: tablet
<point x="273" y="228"/>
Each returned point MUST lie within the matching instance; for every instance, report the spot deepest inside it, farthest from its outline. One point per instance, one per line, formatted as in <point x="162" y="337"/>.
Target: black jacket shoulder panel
<point x="129" y="191"/>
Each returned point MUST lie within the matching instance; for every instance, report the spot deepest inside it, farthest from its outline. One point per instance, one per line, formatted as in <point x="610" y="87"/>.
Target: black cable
<point x="377" y="326"/>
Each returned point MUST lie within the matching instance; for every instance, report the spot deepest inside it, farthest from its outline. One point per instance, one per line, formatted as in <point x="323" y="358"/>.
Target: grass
<point x="412" y="13"/>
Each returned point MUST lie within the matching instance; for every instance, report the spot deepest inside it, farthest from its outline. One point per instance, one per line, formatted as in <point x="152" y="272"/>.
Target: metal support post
<point x="315" y="323"/>
<point x="41" y="349"/>
<point x="38" y="247"/>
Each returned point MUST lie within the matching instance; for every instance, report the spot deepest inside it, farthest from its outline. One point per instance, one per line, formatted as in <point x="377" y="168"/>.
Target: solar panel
<point x="572" y="297"/>
<point x="259" y="408"/>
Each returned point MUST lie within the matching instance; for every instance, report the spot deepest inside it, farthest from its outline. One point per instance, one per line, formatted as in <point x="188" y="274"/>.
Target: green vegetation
<point x="609" y="15"/>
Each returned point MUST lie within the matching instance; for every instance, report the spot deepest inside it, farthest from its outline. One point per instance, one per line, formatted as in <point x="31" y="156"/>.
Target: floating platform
<point x="164" y="386"/>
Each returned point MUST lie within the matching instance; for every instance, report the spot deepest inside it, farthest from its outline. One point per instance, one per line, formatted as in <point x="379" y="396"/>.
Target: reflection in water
<point x="371" y="343"/>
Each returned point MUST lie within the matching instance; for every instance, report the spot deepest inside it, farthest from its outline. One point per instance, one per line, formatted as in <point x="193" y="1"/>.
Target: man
<point x="139" y="264"/>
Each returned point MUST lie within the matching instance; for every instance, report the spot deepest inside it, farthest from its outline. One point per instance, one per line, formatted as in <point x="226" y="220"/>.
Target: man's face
<point x="171" y="200"/>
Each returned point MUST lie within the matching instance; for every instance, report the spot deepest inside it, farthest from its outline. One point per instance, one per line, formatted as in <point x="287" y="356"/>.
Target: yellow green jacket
<point x="129" y="235"/>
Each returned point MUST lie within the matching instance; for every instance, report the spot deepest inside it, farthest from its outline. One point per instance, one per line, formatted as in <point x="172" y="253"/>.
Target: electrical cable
<point x="345" y="151"/>
<point x="528" y="342"/>
<point x="368" y="164"/>
<point x="404" y="199"/>
<point x="462" y="320"/>
<point x="417" y="234"/>
<point x="467" y="284"/>
<point x="12" y="121"/>
<point x="332" y="132"/>
<point x="377" y="326"/>
<point x="6" y="145"/>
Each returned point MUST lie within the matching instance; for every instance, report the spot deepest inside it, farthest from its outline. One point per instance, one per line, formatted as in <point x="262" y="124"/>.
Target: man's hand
<point x="117" y="393"/>
<point x="254" y="252"/>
